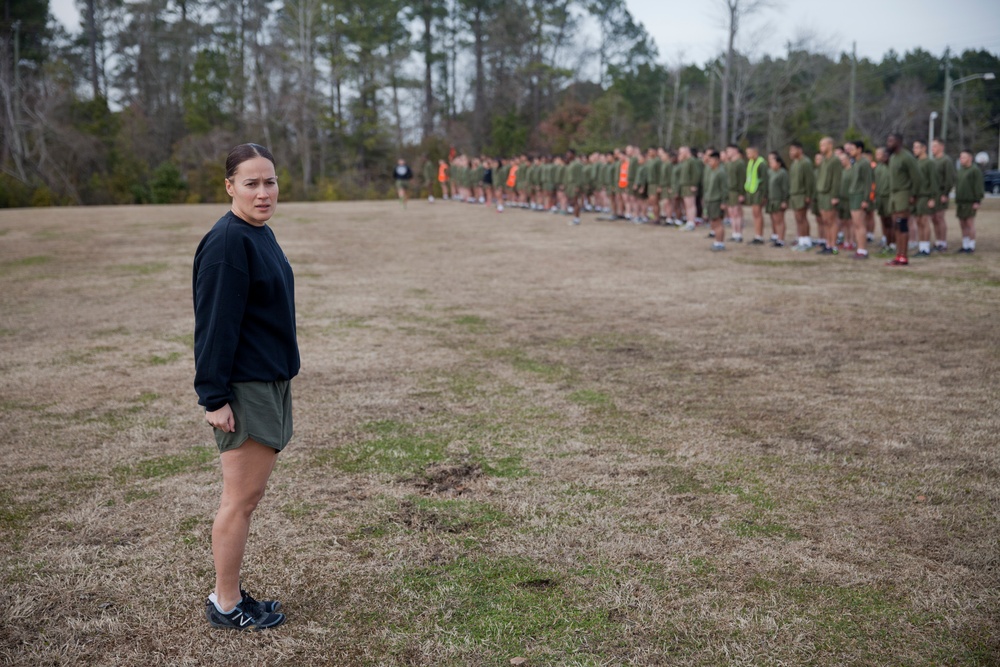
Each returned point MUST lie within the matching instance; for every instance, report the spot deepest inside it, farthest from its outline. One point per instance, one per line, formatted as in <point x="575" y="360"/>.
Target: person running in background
<point x="402" y="174"/>
<point x="946" y="181"/>
<point x="716" y="191"/>
<point x="777" y="197"/>
<point x="904" y="178"/>
<point x="800" y="187"/>
<point x="883" y="201"/>
<point x="736" y="174"/>
<point x="859" y="190"/>
<point x="828" y="194"/>
<point x="756" y="192"/>
<point x="927" y="194"/>
<point x="969" y="193"/>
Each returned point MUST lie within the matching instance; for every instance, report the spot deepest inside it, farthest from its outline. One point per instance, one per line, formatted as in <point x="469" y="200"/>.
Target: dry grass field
<point x="601" y="445"/>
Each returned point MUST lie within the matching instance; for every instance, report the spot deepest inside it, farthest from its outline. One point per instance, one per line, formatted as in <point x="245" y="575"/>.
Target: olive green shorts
<point x="855" y="202"/>
<point x="262" y="411"/>
<point x="797" y="202"/>
<point x="900" y="202"/>
<point x="921" y="208"/>
<point x="825" y="201"/>
<point x="965" y="211"/>
<point x="882" y="206"/>
<point x="754" y="198"/>
<point x="713" y="210"/>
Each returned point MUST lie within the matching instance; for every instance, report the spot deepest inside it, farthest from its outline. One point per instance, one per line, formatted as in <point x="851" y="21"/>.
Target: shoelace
<point x="251" y="606"/>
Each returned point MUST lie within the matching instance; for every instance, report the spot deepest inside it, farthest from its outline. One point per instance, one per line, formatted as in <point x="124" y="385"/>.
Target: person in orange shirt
<point x="443" y="178"/>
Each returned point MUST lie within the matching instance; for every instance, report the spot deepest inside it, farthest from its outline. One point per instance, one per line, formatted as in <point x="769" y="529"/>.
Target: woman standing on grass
<point x="245" y="355"/>
<point x="777" y="197"/>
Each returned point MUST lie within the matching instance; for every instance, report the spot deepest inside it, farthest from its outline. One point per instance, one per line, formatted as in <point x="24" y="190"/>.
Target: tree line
<point x="142" y="101"/>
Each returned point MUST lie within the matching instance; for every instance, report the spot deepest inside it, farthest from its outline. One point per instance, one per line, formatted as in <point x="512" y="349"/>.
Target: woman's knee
<point x="242" y="499"/>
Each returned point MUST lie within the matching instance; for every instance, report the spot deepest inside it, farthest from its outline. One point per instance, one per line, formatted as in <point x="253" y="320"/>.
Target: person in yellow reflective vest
<point x="755" y="191"/>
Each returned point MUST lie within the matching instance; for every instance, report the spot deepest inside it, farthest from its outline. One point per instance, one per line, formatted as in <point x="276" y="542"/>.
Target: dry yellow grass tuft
<point x="580" y="446"/>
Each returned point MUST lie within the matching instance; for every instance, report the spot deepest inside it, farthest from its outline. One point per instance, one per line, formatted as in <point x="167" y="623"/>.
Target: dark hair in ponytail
<point x="245" y="152"/>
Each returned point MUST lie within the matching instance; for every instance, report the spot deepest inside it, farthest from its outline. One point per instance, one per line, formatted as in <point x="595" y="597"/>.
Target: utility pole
<point x="947" y="94"/>
<point x="662" y="113"/>
<point x="854" y="78"/>
<point x="673" y="111"/>
<point x="15" y="100"/>
<point x="711" y="103"/>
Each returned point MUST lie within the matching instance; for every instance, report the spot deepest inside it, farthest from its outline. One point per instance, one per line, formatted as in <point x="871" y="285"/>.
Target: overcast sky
<point x="693" y="31"/>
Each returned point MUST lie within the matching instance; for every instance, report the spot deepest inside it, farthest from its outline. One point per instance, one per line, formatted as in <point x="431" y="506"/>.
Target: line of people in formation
<point x="845" y="187"/>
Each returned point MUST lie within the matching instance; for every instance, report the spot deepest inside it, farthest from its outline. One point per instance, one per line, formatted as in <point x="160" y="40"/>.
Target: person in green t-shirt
<point x="927" y="197"/>
<point x="736" y="174"/>
<point x="883" y="200"/>
<point x="867" y="156"/>
<point x="688" y="180"/>
<point x="845" y="231"/>
<point x="946" y="181"/>
<point x="755" y="191"/>
<point x="969" y="192"/>
<point x="904" y="178"/>
<point x="716" y="192"/>
<point x="800" y="193"/>
<point x="640" y="188"/>
<point x="666" y="186"/>
<point x="828" y="178"/>
<point x="777" y="197"/>
<point x="859" y="187"/>
<point x="429" y="173"/>
<point x="573" y="186"/>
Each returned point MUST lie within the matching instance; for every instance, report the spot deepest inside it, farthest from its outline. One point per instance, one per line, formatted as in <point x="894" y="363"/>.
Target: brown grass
<point x="586" y="446"/>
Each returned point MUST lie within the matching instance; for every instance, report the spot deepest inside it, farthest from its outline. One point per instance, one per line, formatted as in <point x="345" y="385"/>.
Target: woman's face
<point x="773" y="163"/>
<point x="254" y="189"/>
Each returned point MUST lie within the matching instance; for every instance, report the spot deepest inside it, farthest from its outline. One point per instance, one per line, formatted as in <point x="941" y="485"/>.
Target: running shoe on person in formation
<point x="924" y="253"/>
<point x="757" y="240"/>
<point x="898" y="261"/>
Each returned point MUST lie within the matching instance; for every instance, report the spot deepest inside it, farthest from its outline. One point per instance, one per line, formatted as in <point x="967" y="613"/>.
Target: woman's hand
<point x="222" y="419"/>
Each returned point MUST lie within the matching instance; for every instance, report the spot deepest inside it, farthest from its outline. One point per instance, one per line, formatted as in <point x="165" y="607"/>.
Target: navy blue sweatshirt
<point x="244" y="311"/>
